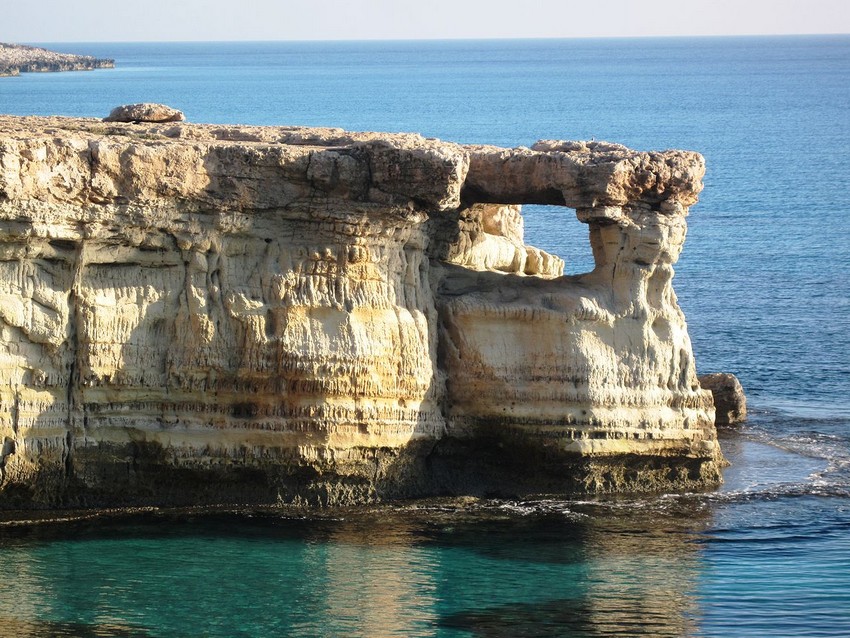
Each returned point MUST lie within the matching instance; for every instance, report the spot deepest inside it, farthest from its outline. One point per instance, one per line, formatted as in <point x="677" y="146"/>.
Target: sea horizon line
<point x="42" y="43"/>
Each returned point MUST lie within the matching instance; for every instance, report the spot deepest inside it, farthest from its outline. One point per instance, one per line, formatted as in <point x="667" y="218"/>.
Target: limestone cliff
<point x="198" y="313"/>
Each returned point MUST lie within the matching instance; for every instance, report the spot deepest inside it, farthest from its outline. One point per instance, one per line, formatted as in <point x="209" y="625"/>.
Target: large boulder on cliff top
<point x="144" y="112"/>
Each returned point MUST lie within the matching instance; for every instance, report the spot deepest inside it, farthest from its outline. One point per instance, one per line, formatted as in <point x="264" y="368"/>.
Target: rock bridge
<point x="216" y="314"/>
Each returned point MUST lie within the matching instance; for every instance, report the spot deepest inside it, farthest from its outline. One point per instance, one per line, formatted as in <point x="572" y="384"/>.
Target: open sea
<point x="764" y="281"/>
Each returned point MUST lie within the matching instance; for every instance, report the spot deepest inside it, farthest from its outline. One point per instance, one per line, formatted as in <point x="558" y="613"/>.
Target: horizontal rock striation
<point x="200" y="314"/>
<point x="17" y="58"/>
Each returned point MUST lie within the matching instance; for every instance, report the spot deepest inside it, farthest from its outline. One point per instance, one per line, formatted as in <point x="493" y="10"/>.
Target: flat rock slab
<point x="144" y="112"/>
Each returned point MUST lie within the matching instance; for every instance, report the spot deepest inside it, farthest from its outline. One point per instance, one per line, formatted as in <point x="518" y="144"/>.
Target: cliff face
<point x="193" y="313"/>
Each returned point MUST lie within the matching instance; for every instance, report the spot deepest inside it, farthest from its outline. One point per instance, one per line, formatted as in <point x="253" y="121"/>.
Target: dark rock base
<point x="143" y="475"/>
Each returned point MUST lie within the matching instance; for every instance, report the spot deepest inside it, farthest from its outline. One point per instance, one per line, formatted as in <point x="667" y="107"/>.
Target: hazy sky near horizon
<point x="152" y="20"/>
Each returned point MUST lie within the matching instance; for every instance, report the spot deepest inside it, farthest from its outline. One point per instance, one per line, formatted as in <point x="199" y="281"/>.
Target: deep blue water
<point x="764" y="281"/>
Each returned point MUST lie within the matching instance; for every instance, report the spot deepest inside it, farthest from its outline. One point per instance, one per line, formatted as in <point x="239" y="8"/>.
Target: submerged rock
<point x="144" y="112"/>
<point x="730" y="403"/>
<point x="208" y="314"/>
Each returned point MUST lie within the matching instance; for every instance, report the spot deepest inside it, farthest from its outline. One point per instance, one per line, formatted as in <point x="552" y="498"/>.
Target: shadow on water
<point x="558" y="618"/>
<point x="551" y="618"/>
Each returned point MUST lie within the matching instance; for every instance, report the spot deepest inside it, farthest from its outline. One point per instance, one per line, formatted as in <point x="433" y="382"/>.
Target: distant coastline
<point x="17" y="58"/>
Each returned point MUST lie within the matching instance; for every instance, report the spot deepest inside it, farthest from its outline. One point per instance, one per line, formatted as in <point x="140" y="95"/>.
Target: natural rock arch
<point x="197" y="313"/>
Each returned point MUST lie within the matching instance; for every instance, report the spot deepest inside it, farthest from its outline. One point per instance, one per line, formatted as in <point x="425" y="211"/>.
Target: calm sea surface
<point x="764" y="281"/>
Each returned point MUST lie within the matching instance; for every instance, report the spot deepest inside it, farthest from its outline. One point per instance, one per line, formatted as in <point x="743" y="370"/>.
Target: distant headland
<point x="17" y="58"/>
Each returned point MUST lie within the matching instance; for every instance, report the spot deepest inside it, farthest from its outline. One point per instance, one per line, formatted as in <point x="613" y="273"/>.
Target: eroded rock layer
<point x="196" y="313"/>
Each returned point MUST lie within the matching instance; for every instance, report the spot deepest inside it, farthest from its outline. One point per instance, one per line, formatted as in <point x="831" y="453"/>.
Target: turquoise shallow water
<point x="764" y="281"/>
<point x="748" y="560"/>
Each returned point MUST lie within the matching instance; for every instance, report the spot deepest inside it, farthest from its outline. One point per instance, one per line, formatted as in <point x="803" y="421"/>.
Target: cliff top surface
<point x="17" y="58"/>
<point x="428" y="171"/>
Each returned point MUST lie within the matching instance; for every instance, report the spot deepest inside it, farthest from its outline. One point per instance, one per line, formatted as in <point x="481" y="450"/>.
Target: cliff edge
<point x="223" y="314"/>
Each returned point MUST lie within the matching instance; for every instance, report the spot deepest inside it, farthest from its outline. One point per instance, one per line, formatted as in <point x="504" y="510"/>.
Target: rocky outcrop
<point x="197" y="313"/>
<point x="730" y="402"/>
<point x="17" y="58"/>
<point x="144" y="112"/>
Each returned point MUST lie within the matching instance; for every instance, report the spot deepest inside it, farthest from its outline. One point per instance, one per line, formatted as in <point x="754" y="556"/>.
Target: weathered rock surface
<point x="17" y="58"/>
<point x="730" y="403"/>
<point x="198" y="313"/>
<point x="144" y="112"/>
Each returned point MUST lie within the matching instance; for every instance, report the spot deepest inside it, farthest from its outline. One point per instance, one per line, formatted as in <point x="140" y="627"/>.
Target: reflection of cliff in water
<point x="630" y="575"/>
<point x="435" y="568"/>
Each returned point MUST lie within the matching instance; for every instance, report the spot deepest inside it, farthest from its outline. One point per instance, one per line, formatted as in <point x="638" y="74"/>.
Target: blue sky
<point x="107" y="20"/>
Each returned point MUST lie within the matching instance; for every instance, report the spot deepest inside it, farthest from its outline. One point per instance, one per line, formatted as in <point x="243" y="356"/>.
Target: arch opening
<point x="556" y="230"/>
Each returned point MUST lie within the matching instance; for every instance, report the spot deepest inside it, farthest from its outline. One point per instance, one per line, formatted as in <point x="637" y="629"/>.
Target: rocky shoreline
<point x="17" y="58"/>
